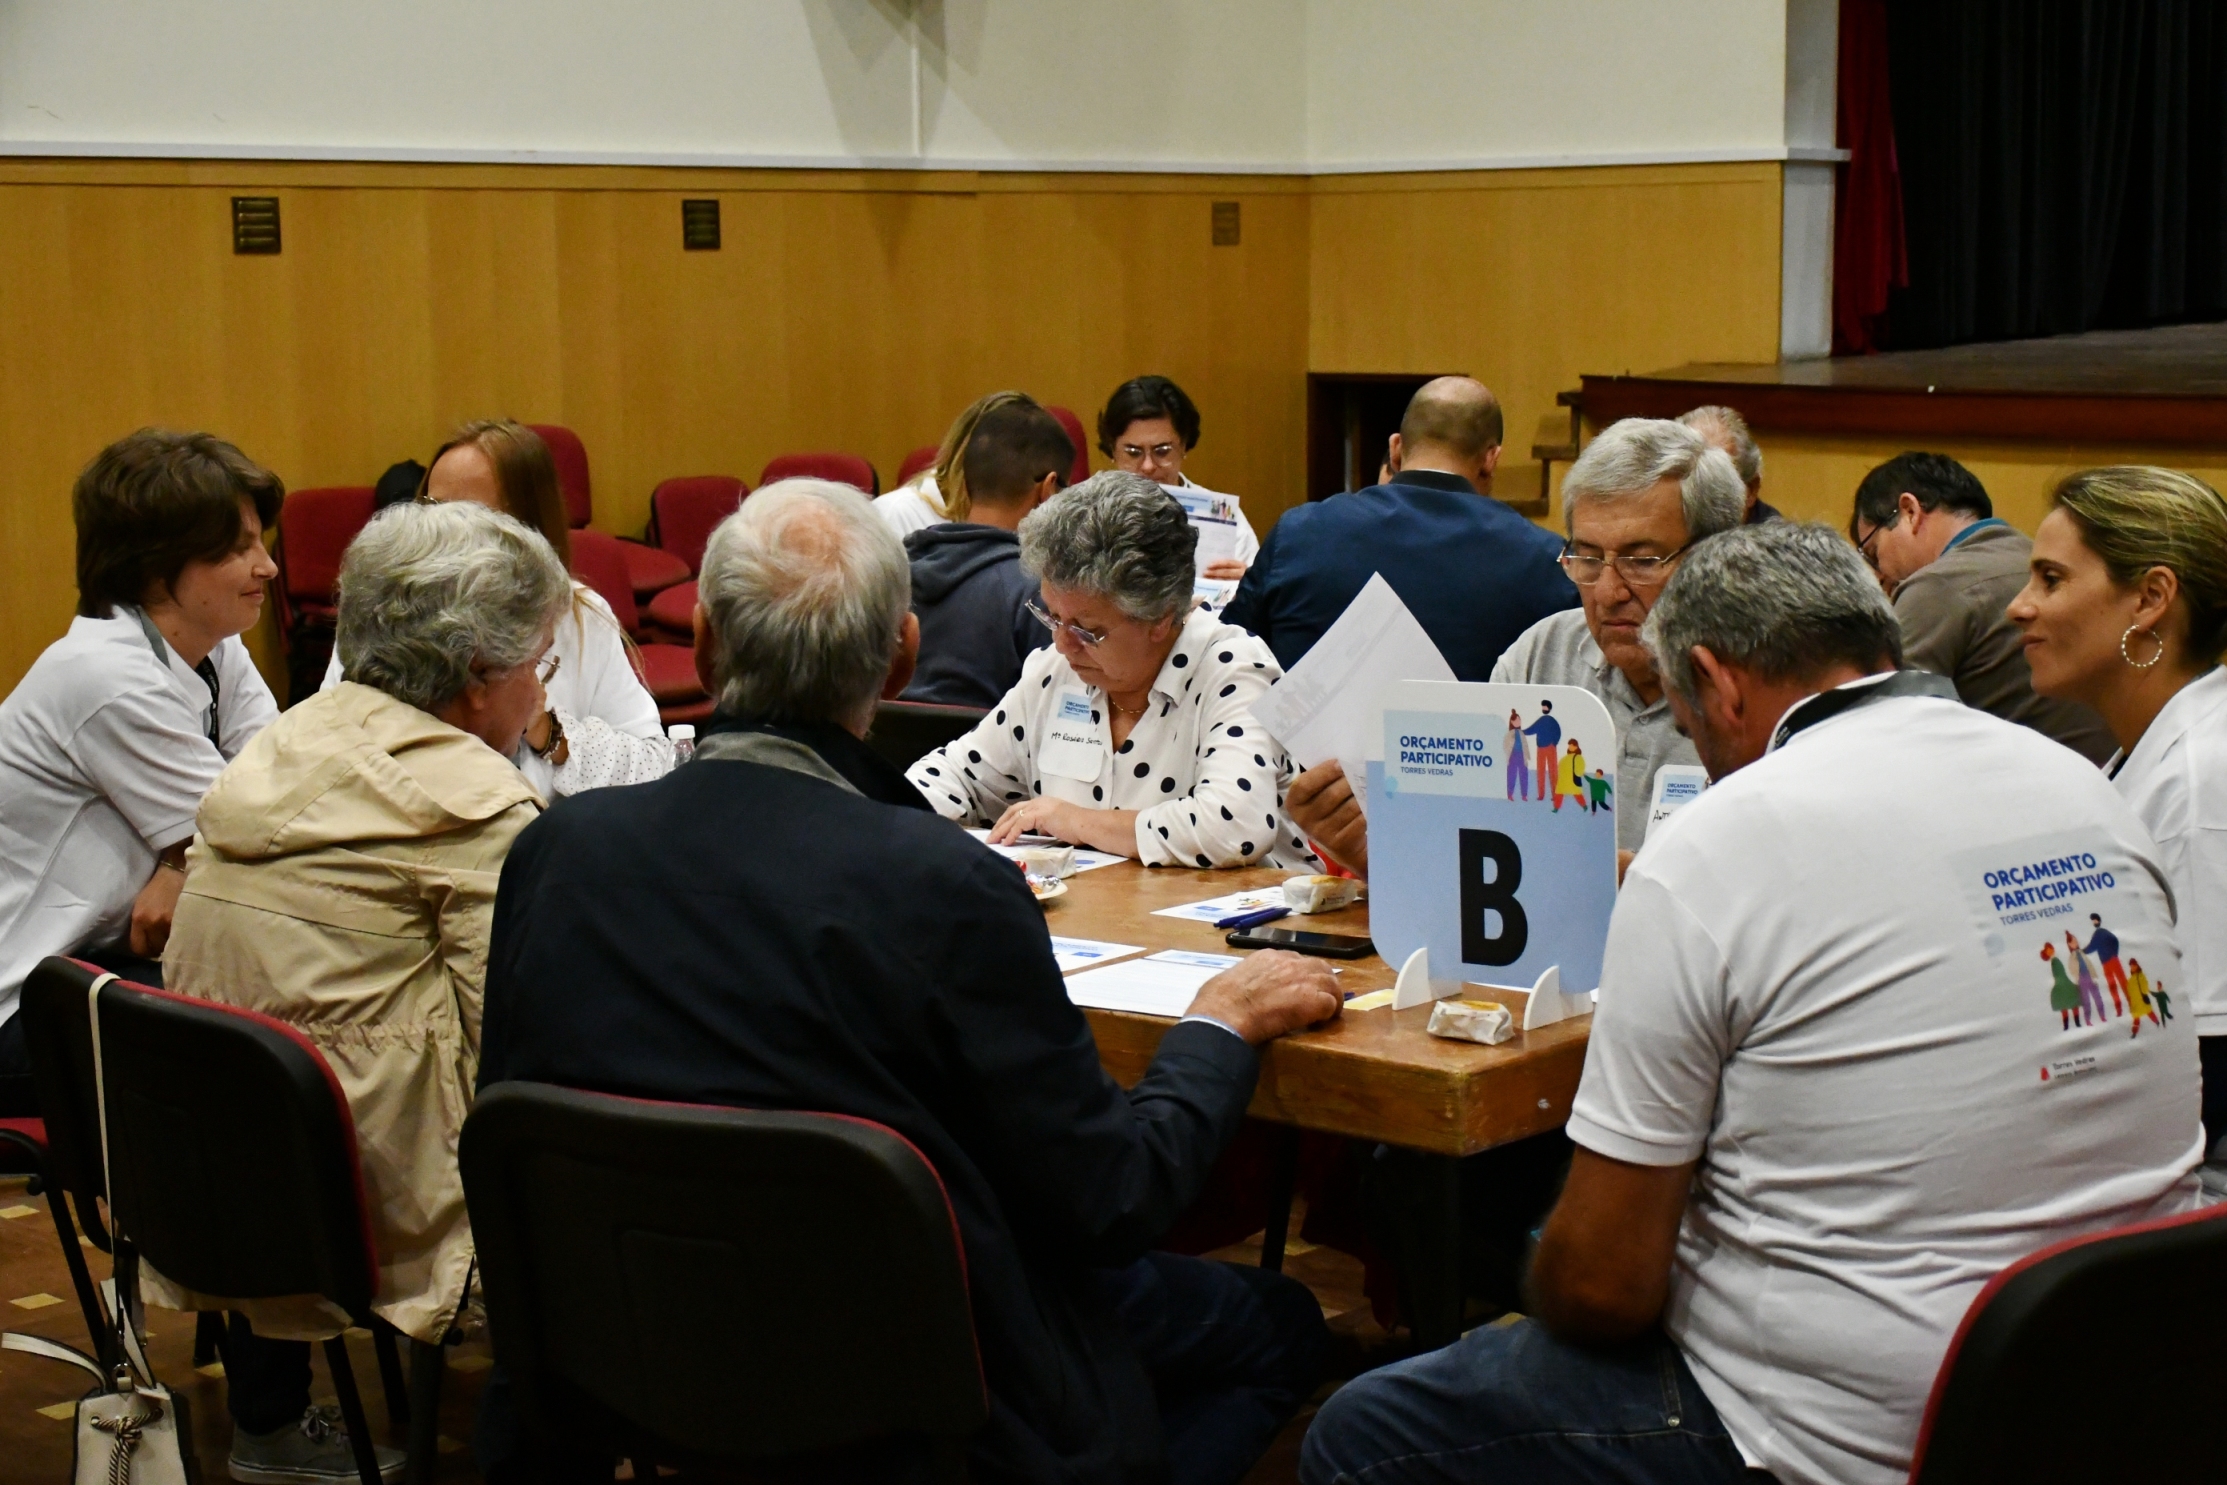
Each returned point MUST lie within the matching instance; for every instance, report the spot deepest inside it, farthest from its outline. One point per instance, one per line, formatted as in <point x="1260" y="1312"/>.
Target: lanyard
<point x="207" y="669"/>
<point x="1825" y="704"/>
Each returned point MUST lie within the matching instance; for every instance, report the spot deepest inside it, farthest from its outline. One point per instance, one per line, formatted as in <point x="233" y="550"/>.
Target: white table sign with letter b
<point x="1492" y="832"/>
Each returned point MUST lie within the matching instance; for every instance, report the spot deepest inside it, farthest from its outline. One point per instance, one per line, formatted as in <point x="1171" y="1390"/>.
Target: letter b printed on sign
<point x="1486" y="897"/>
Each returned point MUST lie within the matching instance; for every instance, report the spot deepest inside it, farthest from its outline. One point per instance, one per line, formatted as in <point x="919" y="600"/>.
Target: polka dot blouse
<point x="1206" y="780"/>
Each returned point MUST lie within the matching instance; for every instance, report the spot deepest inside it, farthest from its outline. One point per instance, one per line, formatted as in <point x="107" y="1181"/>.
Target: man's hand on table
<point x="1270" y="993"/>
<point x="1321" y="803"/>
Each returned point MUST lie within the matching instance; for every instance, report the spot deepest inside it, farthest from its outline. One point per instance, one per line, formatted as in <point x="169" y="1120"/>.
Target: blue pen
<point x="1254" y="919"/>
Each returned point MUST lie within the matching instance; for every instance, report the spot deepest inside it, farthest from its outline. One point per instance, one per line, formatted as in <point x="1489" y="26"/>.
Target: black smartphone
<point x="1325" y="945"/>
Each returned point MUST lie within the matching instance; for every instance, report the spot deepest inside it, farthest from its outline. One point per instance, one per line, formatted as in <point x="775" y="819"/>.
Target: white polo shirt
<point x="1824" y="982"/>
<point x="2176" y="781"/>
<point x="104" y="757"/>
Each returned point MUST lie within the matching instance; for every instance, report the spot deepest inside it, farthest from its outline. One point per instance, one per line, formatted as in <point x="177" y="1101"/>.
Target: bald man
<point x="1474" y="573"/>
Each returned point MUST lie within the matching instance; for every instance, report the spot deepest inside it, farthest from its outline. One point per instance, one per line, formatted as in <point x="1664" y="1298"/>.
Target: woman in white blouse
<point x="601" y="725"/>
<point x="2127" y="611"/>
<point x="1133" y="733"/>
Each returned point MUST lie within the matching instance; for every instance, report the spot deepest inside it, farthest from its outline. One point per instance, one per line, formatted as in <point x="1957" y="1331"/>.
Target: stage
<point x="2165" y="386"/>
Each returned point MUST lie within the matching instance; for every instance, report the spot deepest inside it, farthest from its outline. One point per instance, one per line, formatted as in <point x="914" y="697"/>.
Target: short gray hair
<point x="1784" y="599"/>
<point x="1634" y="455"/>
<point x="1120" y="536"/>
<point x="805" y="590"/>
<point x="1746" y="457"/>
<point x="429" y="591"/>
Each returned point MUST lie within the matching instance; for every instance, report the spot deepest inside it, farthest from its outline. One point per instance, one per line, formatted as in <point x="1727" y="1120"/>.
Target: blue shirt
<point x="1546" y="732"/>
<point x="1474" y="573"/>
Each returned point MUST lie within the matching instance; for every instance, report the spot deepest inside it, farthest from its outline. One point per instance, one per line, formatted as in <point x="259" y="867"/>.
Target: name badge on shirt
<point x="1073" y="747"/>
<point x="1676" y="786"/>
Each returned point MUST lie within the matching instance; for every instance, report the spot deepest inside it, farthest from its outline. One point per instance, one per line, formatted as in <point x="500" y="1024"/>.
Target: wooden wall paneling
<point x="1529" y="279"/>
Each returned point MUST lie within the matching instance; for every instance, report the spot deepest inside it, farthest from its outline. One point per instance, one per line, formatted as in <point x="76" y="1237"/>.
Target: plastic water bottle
<point x="683" y="735"/>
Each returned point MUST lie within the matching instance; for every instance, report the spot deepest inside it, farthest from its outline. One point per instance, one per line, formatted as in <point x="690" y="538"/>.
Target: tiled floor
<point x="37" y="1397"/>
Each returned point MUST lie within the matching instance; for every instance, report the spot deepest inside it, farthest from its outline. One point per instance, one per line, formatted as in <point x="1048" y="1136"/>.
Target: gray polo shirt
<point x="1559" y="651"/>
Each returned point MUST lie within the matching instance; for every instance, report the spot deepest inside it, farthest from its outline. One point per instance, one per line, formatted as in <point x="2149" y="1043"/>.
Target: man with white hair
<point x="785" y="924"/>
<point x="1725" y="428"/>
<point x="1810" y="1128"/>
<point x="1636" y="501"/>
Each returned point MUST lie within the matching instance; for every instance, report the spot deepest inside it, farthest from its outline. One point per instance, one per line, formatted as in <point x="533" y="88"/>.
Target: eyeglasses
<point x="1863" y="547"/>
<point x="547" y="671"/>
<point x="1075" y="632"/>
<point x="1161" y="452"/>
<point x="1637" y="572"/>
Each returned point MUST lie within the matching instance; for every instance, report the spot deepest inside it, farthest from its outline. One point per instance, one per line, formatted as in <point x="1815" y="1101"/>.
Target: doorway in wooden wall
<point x="1351" y="417"/>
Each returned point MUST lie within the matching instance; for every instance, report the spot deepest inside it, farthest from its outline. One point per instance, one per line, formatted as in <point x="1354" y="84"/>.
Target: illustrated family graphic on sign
<point x="2077" y="997"/>
<point x="1542" y="766"/>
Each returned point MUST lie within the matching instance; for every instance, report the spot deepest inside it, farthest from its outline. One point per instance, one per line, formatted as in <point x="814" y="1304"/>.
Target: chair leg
<point x="427" y="1363"/>
<point x="1283" y="1179"/>
<point x="208" y="1335"/>
<point x="98" y="1322"/>
<point x="390" y="1377"/>
<point x="351" y="1410"/>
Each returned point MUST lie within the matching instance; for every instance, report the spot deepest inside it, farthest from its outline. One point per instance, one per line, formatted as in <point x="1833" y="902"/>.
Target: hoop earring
<point x="2131" y="631"/>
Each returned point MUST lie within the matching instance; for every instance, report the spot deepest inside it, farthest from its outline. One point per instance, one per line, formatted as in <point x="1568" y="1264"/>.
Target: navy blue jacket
<point x="968" y="588"/>
<point x="746" y="935"/>
<point x="1473" y="572"/>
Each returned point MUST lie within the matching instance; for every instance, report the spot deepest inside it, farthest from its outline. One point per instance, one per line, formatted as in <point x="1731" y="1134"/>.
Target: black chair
<point x="692" y="1285"/>
<point x="235" y="1172"/>
<point x="2101" y="1358"/>
<point x="905" y="730"/>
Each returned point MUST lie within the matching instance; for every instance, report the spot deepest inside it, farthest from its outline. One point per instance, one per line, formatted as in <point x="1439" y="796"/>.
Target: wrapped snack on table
<point x="1484" y="1021"/>
<point x="1317" y="894"/>
<point x="1053" y="862"/>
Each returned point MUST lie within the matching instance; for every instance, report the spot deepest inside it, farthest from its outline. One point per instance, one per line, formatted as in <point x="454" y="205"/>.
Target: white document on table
<point x="1329" y="705"/>
<point x="1085" y="860"/>
<point x="1081" y="953"/>
<point x="1229" y="905"/>
<point x="1162" y="984"/>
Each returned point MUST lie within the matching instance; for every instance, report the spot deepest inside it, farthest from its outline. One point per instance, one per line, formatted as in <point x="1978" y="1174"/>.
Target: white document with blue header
<point x="1162" y="984"/>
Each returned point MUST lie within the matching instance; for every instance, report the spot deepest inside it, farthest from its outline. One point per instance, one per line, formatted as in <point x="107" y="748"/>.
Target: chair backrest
<point x="846" y="469"/>
<point x="904" y="731"/>
<point x="1078" y="471"/>
<point x="687" y="507"/>
<point x="600" y="561"/>
<point x="233" y="1151"/>
<point x="921" y="458"/>
<point x="741" y="1284"/>
<point x="571" y="458"/>
<point x="59" y="1038"/>
<point x="314" y="529"/>
<point x="2140" y="1312"/>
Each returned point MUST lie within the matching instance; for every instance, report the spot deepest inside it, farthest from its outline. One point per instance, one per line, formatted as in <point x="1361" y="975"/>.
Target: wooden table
<point x="1371" y="1075"/>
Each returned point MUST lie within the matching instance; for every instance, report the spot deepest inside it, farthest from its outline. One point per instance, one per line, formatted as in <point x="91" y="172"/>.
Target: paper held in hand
<point x="1330" y="704"/>
<point x="1162" y="984"/>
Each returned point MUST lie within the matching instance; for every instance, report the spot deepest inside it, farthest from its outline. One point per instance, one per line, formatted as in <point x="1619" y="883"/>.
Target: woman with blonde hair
<point x="601" y="725"/>
<point x="939" y="492"/>
<point x="2126" y="610"/>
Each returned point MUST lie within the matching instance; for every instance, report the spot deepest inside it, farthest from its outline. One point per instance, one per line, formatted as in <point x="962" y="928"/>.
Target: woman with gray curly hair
<point x="1133" y="733"/>
<point x="342" y="880"/>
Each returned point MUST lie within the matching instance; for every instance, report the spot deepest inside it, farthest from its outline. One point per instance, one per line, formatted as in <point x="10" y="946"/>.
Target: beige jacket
<point x="342" y="880"/>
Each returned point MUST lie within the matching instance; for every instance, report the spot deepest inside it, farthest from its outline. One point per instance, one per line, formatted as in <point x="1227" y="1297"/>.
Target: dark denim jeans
<point x="1511" y="1404"/>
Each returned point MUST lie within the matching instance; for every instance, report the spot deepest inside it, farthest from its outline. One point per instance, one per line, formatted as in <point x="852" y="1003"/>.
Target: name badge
<point x="1676" y="786"/>
<point x="1074" y="748"/>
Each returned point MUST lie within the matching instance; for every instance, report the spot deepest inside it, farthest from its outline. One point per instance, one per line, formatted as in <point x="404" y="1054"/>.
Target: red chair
<point x="235" y="1171"/>
<point x="921" y="458"/>
<point x="1078" y="471"/>
<point x="314" y="529"/>
<point x="599" y="560"/>
<point x="844" y="469"/>
<point x="648" y="570"/>
<point x="684" y="510"/>
<point x="2140" y="1308"/>
<point x="571" y="458"/>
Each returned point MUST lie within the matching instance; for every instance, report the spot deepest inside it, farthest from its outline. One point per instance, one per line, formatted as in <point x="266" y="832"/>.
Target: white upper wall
<point x="1199" y="84"/>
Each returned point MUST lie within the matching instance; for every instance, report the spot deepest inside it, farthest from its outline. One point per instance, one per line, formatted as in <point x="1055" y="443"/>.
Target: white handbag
<point x="130" y="1429"/>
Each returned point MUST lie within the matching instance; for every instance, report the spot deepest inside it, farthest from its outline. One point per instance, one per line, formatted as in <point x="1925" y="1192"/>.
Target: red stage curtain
<point x="1870" y="255"/>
